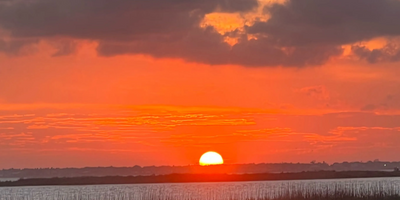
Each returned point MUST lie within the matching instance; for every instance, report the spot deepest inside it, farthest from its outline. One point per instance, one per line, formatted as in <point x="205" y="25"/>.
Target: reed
<point x="246" y="191"/>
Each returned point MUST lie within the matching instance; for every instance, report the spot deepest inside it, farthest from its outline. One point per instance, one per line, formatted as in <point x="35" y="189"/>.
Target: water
<point x="8" y="179"/>
<point x="203" y="191"/>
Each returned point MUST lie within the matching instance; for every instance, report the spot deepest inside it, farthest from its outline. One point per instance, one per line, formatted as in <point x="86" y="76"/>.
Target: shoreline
<point x="197" y="178"/>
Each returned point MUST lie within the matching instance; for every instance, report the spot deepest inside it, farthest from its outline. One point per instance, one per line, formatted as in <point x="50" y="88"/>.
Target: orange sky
<point x="167" y="107"/>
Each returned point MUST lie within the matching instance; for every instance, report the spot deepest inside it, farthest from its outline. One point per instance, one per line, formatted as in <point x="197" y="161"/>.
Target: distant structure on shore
<point x="228" y="169"/>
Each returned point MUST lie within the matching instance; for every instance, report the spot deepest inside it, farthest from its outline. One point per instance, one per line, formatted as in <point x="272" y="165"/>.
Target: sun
<point x="211" y="158"/>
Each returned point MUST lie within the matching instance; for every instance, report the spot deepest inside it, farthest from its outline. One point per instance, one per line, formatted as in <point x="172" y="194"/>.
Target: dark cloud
<point x="161" y="28"/>
<point x="65" y="48"/>
<point x="389" y="53"/>
<point x="299" y="32"/>
<point x="332" y="23"/>
<point x="199" y="45"/>
<point x="329" y="22"/>
<point x="13" y="47"/>
<point x="110" y="20"/>
<point x="262" y="52"/>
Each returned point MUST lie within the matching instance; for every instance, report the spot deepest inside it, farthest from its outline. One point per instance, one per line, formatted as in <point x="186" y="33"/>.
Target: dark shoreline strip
<point x="188" y="178"/>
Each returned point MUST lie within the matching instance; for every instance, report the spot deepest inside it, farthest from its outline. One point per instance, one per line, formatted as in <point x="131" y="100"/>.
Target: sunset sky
<point x="159" y="82"/>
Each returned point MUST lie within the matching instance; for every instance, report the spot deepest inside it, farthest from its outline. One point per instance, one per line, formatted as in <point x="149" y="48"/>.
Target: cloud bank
<point x="297" y="33"/>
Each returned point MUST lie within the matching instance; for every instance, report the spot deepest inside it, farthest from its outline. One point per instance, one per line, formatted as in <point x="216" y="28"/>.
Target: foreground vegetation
<point x="132" y="197"/>
<point x="338" y="196"/>
<point x="381" y="189"/>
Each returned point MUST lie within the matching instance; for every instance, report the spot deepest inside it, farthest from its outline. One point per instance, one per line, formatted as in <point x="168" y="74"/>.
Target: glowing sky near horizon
<point x="100" y="83"/>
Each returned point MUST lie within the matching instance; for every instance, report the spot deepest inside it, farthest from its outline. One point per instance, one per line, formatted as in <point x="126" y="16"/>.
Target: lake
<point x="203" y="191"/>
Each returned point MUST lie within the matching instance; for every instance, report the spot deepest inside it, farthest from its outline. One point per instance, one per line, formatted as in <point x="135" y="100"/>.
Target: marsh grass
<point x="283" y="191"/>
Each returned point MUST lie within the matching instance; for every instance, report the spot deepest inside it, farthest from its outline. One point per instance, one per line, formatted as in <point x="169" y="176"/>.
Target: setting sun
<point x="211" y="158"/>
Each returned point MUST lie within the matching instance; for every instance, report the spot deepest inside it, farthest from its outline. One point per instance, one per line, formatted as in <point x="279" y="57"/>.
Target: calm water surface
<point x="198" y="191"/>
